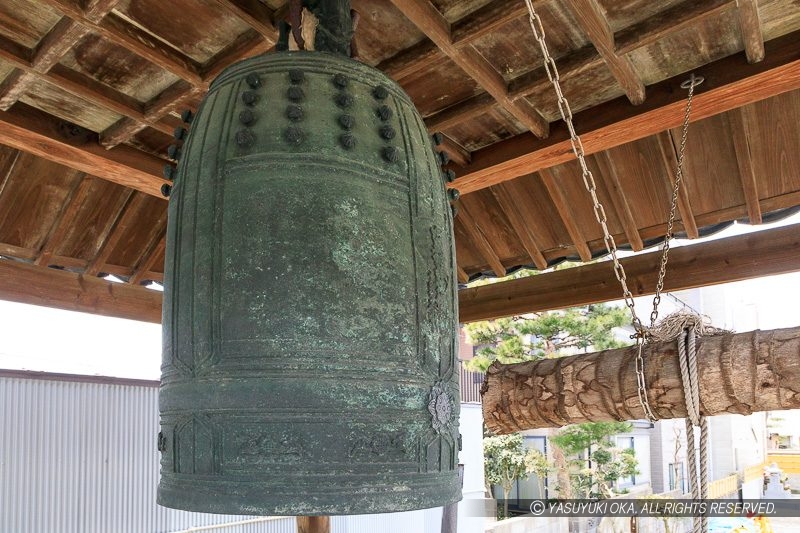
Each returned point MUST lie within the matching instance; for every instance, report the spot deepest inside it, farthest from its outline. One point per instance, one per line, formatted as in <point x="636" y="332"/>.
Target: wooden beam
<point x="150" y="260"/>
<point x="96" y="10"/>
<point x="410" y="61"/>
<point x="764" y="253"/>
<point x="134" y="39"/>
<point x="255" y="14"/>
<point x="461" y="275"/>
<point x="729" y="83"/>
<point x="678" y="17"/>
<point x="77" y="84"/>
<point x="750" y="25"/>
<point x="610" y="177"/>
<point x="669" y="155"/>
<point x="738" y="373"/>
<point x="464" y="110"/>
<point x="564" y="210"/>
<point x="33" y="131"/>
<point x="508" y="204"/>
<point x="591" y="19"/>
<point x="480" y="241"/>
<point x="28" y="284"/>
<point x="744" y="159"/>
<point x="488" y="19"/>
<point x="172" y="100"/>
<point x="313" y="524"/>
<point x="64" y="221"/>
<point x="569" y="66"/>
<point x="458" y="154"/>
<point x="127" y="218"/>
<point x="433" y="24"/>
<point x="58" y="41"/>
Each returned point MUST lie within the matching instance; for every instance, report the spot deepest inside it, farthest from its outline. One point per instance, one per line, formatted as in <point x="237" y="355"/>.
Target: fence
<point x="788" y="462"/>
<point x="724" y="488"/>
<point x="471" y="383"/>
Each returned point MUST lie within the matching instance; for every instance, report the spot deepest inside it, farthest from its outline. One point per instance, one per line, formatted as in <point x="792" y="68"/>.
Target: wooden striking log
<point x="738" y="373"/>
<point x="313" y="524"/>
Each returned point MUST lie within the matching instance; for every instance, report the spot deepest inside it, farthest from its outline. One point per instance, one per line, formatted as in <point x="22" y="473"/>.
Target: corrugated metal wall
<point x="80" y="457"/>
<point x="470" y="384"/>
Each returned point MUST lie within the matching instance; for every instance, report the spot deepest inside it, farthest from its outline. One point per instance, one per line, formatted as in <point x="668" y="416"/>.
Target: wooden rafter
<point x="149" y="260"/>
<point x="33" y="131"/>
<point x="610" y="177"/>
<point x="433" y="24"/>
<point x="669" y="155"/>
<point x="255" y="14"/>
<point x="461" y="112"/>
<point x="34" y="285"/>
<point x="569" y="66"/>
<point x="461" y="275"/>
<point x="457" y="153"/>
<point x="564" y="210"/>
<point x="411" y="61"/>
<point x="775" y="251"/>
<point x="488" y="19"/>
<point x="591" y="19"/>
<point x="730" y="83"/>
<point x="125" y="220"/>
<point x="123" y="34"/>
<point x="64" y="221"/>
<point x="747" y="174"/>
<point x="81" y="86"/>
<point x="750" y="25"/>
<point x="678" y="17"/>
<point x="480" y="241"/>
<point x="505" y="199"/>
<point x="171" y="100"/>
<point x="58" y="41"/>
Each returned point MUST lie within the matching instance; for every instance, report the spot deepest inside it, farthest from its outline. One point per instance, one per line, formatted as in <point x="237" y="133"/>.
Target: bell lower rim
<point x="256" y="501"/>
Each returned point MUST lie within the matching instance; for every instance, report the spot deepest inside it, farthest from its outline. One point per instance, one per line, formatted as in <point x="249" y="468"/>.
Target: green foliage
<point x="574" y="440"/>
<point x="555" y="334"/>
<point x="549" y="334"/>
<point x="506" y="460"/>
<point x="595" y="463"/>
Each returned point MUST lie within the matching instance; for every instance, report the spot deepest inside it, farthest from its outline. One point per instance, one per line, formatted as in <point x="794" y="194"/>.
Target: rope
<point x="685" y="327"/>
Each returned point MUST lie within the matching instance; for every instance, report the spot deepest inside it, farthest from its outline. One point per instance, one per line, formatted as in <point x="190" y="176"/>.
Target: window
<point x="676" y="477"/>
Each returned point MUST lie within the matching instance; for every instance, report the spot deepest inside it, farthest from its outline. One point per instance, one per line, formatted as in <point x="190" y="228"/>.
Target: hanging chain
<point x="600" y="213"/>
<point x="692" y="83"/>
<point x="591" y="187"/>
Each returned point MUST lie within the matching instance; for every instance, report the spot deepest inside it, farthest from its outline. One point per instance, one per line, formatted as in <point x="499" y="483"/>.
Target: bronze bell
<point x="310" y="302"/>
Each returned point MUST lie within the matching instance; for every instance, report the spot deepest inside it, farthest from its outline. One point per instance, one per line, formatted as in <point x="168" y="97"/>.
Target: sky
<point x="53" y="340"/>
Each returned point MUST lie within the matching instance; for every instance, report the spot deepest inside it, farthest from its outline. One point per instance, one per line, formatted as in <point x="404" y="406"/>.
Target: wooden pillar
<point x="313" y="524"/>
<point x="738" y="373"/>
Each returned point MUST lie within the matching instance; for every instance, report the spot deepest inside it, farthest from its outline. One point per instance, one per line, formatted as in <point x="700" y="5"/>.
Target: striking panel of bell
<point x="310" y="305"/>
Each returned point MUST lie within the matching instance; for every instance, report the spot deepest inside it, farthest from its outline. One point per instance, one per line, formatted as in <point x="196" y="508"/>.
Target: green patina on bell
<point x="310" y="303"/>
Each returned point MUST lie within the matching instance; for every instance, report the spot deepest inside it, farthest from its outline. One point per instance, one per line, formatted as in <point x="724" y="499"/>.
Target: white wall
<point x="78" y="455"/>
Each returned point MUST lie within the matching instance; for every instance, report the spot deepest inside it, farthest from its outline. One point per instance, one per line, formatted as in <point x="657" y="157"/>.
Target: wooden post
<point x="313" y="524"/>
<point x="739" y="373"/>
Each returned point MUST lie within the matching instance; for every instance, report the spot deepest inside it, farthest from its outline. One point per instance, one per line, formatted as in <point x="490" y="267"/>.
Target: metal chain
<point x="599" y="211"/>
<point x="591" y="187"/>
<point x="693" y="81"/>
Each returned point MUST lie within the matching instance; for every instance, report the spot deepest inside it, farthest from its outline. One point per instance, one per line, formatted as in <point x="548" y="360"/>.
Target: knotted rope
<point x="685" y="327"/>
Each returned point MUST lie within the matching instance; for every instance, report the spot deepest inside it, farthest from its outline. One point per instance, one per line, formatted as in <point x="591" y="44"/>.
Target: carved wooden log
<point x="313" y="524"/>
<point x="739" y="373"/>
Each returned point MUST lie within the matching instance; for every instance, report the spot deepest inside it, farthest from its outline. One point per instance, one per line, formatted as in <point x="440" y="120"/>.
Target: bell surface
<point x="309" y="352"/>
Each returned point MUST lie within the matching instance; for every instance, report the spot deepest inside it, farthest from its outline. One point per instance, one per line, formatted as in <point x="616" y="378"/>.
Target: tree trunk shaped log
<point x="313" y="524"/>
<point x="739" y="373"/>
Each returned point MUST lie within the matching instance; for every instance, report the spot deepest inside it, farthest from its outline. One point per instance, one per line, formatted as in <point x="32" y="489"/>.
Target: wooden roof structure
<point x="91" y="92"/>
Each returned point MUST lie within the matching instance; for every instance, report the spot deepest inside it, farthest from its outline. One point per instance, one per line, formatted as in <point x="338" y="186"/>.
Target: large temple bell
<point x="310" y="303"/>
